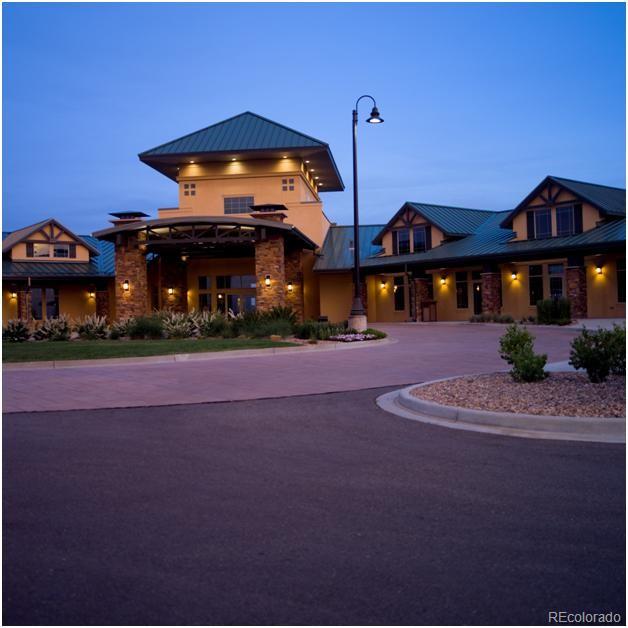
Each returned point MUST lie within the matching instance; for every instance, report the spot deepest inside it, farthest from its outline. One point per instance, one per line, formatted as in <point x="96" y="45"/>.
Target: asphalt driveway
<point x="319" y="509"/>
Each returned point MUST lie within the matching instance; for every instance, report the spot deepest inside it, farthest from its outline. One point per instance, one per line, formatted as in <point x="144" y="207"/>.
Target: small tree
<point x="517" y="348"/>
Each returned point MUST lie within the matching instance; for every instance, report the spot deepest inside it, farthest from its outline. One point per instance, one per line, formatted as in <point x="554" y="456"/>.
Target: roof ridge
<point x="597" y="185"/>
<point x="239" y="115"/>
<point x="468" y="209"/>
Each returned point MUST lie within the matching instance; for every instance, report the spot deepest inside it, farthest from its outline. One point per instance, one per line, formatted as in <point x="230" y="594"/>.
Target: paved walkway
<point x="422" y="352"/>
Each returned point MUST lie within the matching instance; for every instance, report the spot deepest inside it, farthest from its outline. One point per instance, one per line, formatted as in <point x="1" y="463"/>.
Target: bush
<point x="313" y="330"/>
<point x="145" y="327"/>
<point x="54" y="329"/>
<point x="120" y="328"/>
<point x="16" y="330"/>
<point x="179" y="325"/>
<point x="92" y="327"/>
<point x="553" y="311"/>
<point x="375" y="332"/>
<point x="600" y="352"/>
<point x="271" y="327"/>
<point x="282" y="313"/>
<point x="213" y="324"/>
<point x="517" y="348"/>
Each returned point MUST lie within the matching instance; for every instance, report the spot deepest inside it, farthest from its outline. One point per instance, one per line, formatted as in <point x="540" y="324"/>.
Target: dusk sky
<point x="480" y="101"/>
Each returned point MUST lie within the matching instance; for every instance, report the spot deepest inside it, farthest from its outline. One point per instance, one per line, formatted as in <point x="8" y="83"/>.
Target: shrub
<point x="213" y="324"/>
<point x="375" y="332"/>
<point x="600" y="352"/>
<point x="517" y="348"/>
<point x="179" y="325"/>
<point x="271" y="327"/>
<point x="120" y="328"/>
<point x="54" y="329"/>
<point x="282" y="313"/>
<point x="145" y="327"/>
<point x="92" y="327"/>
<point x="16" y="330"/>
<point x="313" y="330"/>
<point x="554" y="311"/>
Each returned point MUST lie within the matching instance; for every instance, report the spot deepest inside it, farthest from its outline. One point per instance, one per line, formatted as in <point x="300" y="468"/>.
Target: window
<point x="621" y="280"/>
<point x="287" y="185"/>
<point x="62" y="249"/>
<point x="44" y="300"/>
<point x="204" y="301"/>
<point x="189" y="189"/>
<point x="204" y="282"/>
<point x="40" y="250"/>
<point x="420" y="239"/>
<point x="399" y="294"/>
<point x="238" y="204"/>
<point x="401" y="241"/>
<point x="568" y="220"/>
<point x="462" y="290"/>
<point x="555" y="280"/>
<point x="535" y="283"/>
<point x="539" y="224"/>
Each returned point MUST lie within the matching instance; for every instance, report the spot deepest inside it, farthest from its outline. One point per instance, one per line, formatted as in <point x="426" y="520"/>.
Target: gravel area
<point x="561" y="394"/>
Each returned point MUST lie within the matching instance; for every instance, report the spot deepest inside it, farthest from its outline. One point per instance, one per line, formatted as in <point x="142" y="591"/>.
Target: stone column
<point x="270" y="260"/>
<point x="174" y="276"/>
<point x="491" y="292"/>
<point x="24" y="305"/>
<point x="576" y="284"/>
<point x="294" y="275"/>
<point x="131" y="267"/>
<point x="422" y="293"/>
<point x="102" y="303"/>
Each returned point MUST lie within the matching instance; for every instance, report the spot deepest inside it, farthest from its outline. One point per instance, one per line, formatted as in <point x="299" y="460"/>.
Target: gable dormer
<point x="418" y="227"/>
<point x="47" y="241"/>
<point x="560" y="207"/>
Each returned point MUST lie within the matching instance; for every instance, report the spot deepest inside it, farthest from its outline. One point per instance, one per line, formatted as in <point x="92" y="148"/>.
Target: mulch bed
<point x="561" y="394"/>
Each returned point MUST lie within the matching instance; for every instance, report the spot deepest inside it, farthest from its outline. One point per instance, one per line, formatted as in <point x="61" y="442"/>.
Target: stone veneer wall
<point x="270" y="260"/>
<point x="24" y="305"/>
<point x="491" y="293"/>
<point x="576" y="280"/>
<point x="131" y="266"/>
<point x="102" y="303"/>
<point x="174" y="275"/>
<point x="421" y="293"/>
<point x="294" y="273"/>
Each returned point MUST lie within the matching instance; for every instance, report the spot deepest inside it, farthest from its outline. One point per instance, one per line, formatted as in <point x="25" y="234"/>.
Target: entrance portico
<point x="209" y="263"/>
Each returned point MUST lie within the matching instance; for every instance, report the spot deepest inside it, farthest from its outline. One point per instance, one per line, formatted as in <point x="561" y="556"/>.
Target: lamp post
<point x="357" y="316"/>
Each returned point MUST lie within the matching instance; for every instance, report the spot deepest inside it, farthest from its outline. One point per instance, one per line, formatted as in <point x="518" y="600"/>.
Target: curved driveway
<point x="422" y="352"/>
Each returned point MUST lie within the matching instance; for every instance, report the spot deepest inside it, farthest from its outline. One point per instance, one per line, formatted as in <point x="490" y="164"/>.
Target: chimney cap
<point x="128" y="215"/>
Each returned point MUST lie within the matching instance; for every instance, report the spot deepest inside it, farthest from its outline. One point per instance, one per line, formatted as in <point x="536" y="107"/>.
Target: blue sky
<point x="480" y="101"/>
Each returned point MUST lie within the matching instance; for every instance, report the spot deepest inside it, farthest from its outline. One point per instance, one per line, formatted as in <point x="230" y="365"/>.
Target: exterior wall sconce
<point x="290" y="286"/>
<point x="170" y="291"/>
<point x="126" y="285"/>
<point x="13" y="295"/>
<point x="383" y="284"/>
<point x="220" y="297"/>
<point x="513" y="275"/>
<point x="267" y="281"/>
<point x="91" y="294"/>
<point x="443" y="281"/>
<point x="598" y="270"/>
<point x="184" y="258"/>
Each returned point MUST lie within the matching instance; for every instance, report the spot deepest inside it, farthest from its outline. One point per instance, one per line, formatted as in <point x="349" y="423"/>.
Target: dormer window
<point x="37" y="249"/>
<point x="422" y="238"/>
<point x="568" y="220"/>
<point x="287" y="185"/>
<point x="56" y="250"/>
<point x="401" y="241"/>
<point x="189" y="189"/>
<point x="539" y="224"/>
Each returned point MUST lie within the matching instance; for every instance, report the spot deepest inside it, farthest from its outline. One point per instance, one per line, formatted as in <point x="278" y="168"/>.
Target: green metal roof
<point x="337" y="249"/>
<point x="610" y="201"/>
<point x="241" y="136"/>
<point x="452" y="221"/>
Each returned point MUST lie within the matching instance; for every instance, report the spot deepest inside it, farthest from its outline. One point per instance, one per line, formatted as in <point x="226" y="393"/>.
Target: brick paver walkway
<point x="423" y="352"/>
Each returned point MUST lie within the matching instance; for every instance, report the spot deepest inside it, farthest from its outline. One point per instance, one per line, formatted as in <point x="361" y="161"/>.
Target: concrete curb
<point x="593" y="429"/>
<point x="191" y="357"/>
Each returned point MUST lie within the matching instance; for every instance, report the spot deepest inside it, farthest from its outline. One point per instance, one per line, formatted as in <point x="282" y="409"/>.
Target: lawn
<point x="96" y="349"/>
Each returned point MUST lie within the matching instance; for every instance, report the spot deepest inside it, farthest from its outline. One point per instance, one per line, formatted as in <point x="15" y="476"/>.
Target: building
<point x="250" y="233"/>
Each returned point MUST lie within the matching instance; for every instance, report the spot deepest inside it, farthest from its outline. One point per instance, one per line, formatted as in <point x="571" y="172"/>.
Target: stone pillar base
<point x="358" y="322"/>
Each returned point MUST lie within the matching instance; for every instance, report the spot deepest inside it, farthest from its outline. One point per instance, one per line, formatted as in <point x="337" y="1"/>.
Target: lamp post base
<point x="357" y="322"/>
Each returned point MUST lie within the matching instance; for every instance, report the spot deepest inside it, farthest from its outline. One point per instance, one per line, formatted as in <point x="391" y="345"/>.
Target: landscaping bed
<point x="98" y="349"/>
<point x="560" y="394"/>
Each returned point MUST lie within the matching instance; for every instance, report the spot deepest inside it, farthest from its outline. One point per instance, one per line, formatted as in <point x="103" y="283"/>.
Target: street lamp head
<point x="375" y="118"/>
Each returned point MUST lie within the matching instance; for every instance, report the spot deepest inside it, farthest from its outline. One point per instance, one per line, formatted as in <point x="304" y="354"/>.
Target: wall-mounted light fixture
<point x="513" y="275"/>
<point x="184" y="258"/>
<point x="267" y="281"/>
<point x="598" y="269"/>
<point x="170" y="291"/>
<point x="290" y="286"/>
<point x="126" y="285"/>
<point x="443" y="281"/>
<point x="91" y="294"/>
<point x="383" y="284"/>
<point x="13" y="295"/>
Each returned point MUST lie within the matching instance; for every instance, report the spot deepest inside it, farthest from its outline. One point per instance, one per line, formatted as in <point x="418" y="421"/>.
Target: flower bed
<point x="561" y="394"/>
<point x="353" y="337"/>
